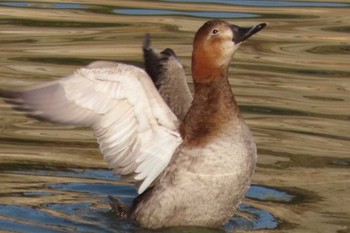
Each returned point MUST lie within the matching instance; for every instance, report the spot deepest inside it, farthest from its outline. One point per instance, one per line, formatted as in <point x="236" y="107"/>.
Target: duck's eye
<point x="215" y="31"/>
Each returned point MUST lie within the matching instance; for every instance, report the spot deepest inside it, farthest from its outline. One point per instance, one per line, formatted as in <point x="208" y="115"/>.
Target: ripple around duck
<point x="57" y="218"/>
<point x="96" y="188"/>
<point x="264" y="193"/>
<point x="262" y="220"/>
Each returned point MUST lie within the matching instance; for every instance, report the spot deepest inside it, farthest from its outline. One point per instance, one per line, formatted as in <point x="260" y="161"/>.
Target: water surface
<point x="291" y="82"/>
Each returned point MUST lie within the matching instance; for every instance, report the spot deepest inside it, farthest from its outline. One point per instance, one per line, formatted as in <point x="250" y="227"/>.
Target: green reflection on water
<point x="71" y="60"/>
<point x="331" y="49"/>
<point x="317" y="72"/>
<point x="287" y="112"/>
<point x="345" y="29"/>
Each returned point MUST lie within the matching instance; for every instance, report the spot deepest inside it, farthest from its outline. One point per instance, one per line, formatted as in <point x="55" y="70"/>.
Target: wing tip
<point x="13" y="98"/>
<point x="9" y="94"/>
<point x="142" y="187"/>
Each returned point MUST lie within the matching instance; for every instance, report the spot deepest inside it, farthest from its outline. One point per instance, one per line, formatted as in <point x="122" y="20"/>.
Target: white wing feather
<point x="136" y="131"/>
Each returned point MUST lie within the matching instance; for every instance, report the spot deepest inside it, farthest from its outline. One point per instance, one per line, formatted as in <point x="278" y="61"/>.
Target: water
<point x="291" y="82"/>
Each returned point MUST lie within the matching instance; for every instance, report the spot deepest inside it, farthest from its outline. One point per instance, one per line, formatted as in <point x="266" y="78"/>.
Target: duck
<point x="191" y="158"/>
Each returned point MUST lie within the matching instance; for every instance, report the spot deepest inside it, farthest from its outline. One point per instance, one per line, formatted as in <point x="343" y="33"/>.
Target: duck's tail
<point x="121" y="209"/>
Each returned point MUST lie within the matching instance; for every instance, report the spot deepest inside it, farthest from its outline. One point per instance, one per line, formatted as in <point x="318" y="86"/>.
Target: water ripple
<point x="269" y="194"/>
<point x="228" y="15"/>
<point x="58" y="24"/>
<point x="291" y="82"/>
<point x="56" y="215"/>
<point x="266" y="3"/>
<point x="44" y="5"/>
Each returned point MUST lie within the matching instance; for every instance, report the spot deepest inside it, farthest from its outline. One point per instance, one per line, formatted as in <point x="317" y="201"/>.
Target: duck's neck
<point x="212" y="108"/>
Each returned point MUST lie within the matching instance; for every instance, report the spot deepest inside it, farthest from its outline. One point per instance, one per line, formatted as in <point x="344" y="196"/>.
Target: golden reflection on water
<point x="291" y="81"/>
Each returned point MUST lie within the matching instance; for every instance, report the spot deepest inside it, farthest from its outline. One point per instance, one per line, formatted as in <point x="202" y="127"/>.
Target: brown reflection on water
<point x="291" y="81"/>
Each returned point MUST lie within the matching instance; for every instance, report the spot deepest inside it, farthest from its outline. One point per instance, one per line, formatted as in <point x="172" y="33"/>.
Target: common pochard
<point x="192" y="165"/>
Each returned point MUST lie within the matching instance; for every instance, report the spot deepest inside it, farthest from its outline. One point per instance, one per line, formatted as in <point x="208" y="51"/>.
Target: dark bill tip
<point x="241" y="34"/>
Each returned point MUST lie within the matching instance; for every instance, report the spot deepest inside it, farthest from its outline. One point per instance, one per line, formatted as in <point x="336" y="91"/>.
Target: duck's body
<point x="211" y="170"/>
<point x="202" y="184"/>
<point x="200" y="160"/>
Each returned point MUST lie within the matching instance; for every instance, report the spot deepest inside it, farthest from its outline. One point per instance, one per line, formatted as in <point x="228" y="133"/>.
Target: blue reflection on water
<point x="184" y="13"/>
<point x="44" y="5"/>
<point x="37" y="220"/>
<point x="97" y="188"/>
<point x="88" y="218"/>
<point x="262" y="220"/>
<point x="30" y="214"/>
<point x="15" y="226"/>
<point x="262" y="3"/>
<point x="38" y="194"/>
<point x="70" y="209"/>
<point x="268" y="194"/>
<point x="266" y="3"/>
<point x="100" y="174"/>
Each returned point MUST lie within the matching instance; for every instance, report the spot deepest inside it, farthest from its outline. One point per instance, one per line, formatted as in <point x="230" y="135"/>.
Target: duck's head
<point x="214" y="45"/>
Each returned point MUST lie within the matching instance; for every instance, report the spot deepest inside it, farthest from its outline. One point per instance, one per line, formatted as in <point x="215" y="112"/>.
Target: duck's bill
<point x="241" y="34"/>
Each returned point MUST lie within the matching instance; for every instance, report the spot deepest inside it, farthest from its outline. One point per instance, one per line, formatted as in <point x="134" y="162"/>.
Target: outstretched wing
<point x="136" y="130"/>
